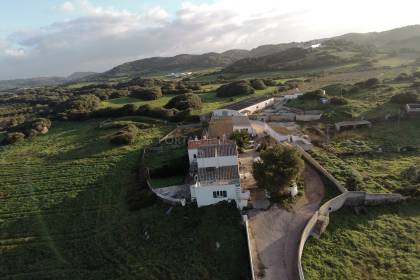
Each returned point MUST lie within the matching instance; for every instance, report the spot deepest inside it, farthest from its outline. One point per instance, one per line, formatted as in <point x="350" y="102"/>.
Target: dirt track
<point x="276" y="232"/>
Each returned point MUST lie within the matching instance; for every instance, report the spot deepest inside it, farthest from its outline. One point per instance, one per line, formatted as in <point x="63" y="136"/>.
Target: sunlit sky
<point x="56" y="38"/>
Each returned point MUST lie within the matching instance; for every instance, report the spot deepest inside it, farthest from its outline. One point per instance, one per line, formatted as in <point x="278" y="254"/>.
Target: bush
<point x="125" y="136"/>
<point x="416" y="75"/>
<point x="145" y="93"/>
<point x="258" y="84"/>
<point x="354" y="180"/>
<point x="404" y="98"/>
<point x="270" y="82"/>
<point x="13" y="137"/>
<point x="338" y="101"/>
<point x="312" y="95"/>
<point x="128" y="110"/>
<point x="235" y="89"/>
<point x="370" y="83"/>
<point x="241" y="139"/>
<point x="402" y="77"/>
<point x="185" y="101"/>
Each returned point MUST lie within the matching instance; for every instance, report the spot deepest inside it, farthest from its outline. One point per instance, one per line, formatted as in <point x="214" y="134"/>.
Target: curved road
<point x="276" y="232"/>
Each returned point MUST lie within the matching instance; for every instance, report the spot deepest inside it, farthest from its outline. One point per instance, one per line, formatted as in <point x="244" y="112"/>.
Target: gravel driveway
<point x="276" y="232"/>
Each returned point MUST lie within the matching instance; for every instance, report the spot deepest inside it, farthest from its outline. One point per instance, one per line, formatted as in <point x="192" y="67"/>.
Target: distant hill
<point x="187" y="62"/>
<point x="179" y="63"/>
<point x="330" y="54"/>
<point x="79" y="75"/>
<point x="43" y="81"/>
<point x="32" y="82"/>
<point x="285" y="56"/>
<point x="395" y="39"/>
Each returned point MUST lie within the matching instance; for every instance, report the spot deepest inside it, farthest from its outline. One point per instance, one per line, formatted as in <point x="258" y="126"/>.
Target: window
<point x="219" y="194"/>
<point x="195" y="155"/>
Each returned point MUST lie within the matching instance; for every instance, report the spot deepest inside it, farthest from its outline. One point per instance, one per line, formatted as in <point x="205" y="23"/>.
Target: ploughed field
<point x="63" y="215"/>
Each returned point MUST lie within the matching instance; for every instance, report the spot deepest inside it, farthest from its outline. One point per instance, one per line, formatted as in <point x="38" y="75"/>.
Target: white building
<point x="215" y="172"/>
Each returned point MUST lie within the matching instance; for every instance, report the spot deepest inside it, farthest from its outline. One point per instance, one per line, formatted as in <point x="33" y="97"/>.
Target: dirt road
<point x="276" y="232"/>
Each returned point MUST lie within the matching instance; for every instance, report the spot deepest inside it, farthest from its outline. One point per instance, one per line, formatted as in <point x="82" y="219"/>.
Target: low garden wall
<point x="319" y="221"/>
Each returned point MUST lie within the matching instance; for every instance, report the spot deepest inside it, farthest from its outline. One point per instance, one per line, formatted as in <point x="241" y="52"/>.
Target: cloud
<point x="14" y="52"/>
<point x="66" y="7"/>
<point x="100" y="38"/>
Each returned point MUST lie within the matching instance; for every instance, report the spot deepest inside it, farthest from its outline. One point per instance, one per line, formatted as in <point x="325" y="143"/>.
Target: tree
<point x="185" y="101"/>
<point x="403" y="98"/>
<point x="241" y="138"/>
<point x="145" y="93"/>
<point x="125" y="136"/>
<point x="279" y="166"/>
<point x="13" y="137"/>
<point x="338" y="101"/>
<point x="234" y="89"/>
<point x="258" y="84"/>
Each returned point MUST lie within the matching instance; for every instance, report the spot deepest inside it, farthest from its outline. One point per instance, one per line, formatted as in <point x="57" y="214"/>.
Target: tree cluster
<point x="235" y="89"/>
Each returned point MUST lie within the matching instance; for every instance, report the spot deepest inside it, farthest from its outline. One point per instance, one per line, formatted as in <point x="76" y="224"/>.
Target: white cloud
<point x="14" y="52"/>
<point x="66" y="7"/>
<point x="102" y="37"/>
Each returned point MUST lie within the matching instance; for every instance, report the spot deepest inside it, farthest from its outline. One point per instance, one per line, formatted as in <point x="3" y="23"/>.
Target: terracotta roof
<point x="213" y="174"/>
<point x="220" y="126"/>
<point x="221" y="150"/>
<point x="194" y="144"/>
<point x="241" y="121"/>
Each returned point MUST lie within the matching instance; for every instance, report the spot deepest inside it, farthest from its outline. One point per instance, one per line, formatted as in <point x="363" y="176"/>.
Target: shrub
<point x="125" y="136"/>
<point x="312" y="95"/>
<point x="370" y="83"/>
<point x="354" y="180"/>
<point x="258" y="84"/>
<point x="402" y="77"/>
<point x="145" y="93"/>
<point x="128" y="110"/>
<point x="241" y="139"/>
<point x="270" y="82"/>
<point x="416" y="75"/>
<point x="338" y="101"/>
<point x="405" y="97"/>
<point x="13" y="137"/>
<point x="235" y="89"/>
<point x="185" y="101"/>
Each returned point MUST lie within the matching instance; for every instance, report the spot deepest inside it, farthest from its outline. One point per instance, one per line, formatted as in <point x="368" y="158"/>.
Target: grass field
<point x="380" y="172"/>
<point x="63" y="215"/>
<point x="382" y="244"/>
<point x="209" y="99"/>
<point x="368" y="104"/>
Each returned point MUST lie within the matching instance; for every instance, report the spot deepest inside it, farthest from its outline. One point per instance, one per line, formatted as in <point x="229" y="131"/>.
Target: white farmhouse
<point x="215" y="172"/>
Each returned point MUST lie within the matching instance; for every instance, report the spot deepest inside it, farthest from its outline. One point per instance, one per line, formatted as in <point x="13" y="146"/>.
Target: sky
<point x="59" y="37"/>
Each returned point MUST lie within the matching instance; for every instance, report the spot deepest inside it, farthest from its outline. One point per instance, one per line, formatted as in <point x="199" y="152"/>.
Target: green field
<point x="381" y="172"/>
<point x="382" y="244"/>
<point x="368" y="104"/>
<point x="63" y="215"/>
<point x="210" y="101"/>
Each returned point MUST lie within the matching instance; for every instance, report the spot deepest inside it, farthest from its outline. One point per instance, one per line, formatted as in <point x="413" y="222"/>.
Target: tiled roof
<point x="241" y="121"/>
<point x="223" y="149"/>
<point x="220" y="126"/>
<point x="213" y="174"/>
<point x="194" y="144"/>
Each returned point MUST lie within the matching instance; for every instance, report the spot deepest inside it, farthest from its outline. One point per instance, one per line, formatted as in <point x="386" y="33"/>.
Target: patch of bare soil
<point x="276" y="231"/>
